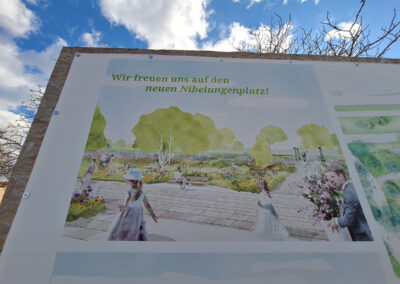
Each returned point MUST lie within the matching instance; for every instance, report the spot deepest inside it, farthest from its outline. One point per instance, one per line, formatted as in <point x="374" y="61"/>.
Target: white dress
<point x="268" y="222"/>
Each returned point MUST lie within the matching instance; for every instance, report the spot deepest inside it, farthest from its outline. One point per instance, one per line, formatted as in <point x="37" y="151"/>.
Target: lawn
<point x="379" y="158"/>
<point x="218" y="170"/>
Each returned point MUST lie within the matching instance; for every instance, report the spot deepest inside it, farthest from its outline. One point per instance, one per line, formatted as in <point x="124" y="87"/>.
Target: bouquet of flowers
<point x="325" y="195"/>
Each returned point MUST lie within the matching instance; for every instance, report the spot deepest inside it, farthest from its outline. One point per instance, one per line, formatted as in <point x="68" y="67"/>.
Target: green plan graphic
<point x="378" y="167"/>
<point x="370" y="124"/>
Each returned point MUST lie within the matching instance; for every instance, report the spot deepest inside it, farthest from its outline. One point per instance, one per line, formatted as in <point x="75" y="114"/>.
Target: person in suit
<point x="353" y="216"/>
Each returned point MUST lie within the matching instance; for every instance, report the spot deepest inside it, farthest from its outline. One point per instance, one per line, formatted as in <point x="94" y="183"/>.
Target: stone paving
<point x="206" y="205"/>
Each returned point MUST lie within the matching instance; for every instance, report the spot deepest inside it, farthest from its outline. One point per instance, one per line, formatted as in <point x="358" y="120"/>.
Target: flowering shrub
<point x="82" y="207"/>
<point x="325" y="195"/>
<point x="156" y="175"/>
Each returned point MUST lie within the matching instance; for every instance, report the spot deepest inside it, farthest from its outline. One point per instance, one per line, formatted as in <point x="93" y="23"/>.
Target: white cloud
<point x="303" y="1"/>
<point x="238" y="35"/>
<point x="241" y="37"/>
<point x="16" y="19"/>
<point x="285" y="2"/>
<point x="170" y="24"/>
<point x="236" y="1"/>
<point x="346" y="34"/>
<point x="269" y="102"/>
<point x="21" y="71"/>
<point x="11" y="68"/>
<point x="43" y="60"/>
<point x="316" y="2"/>
<point x="36" y="2"/>
<point x="91" y="39"/>
<point x="6" y="117"/>
<point x="252" y="2"/>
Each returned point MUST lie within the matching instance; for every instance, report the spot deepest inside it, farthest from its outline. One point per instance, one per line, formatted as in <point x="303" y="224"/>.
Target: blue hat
<point x="133" y="174"/>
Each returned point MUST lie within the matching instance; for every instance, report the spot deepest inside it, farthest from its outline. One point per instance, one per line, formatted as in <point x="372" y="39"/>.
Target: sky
<point x="32" y="32"/>
<point x="294" y="99"/>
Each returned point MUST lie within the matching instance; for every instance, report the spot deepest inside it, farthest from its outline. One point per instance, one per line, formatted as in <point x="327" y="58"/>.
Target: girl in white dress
<point x="268" y="223"/>
<point x="130" y="225"/>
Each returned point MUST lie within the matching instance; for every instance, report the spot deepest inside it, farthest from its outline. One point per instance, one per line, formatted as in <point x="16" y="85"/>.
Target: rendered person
<point x="268" y="222"/>
<point x="178" y="177"/>
<point x="353" y="216"/>
<point x="87" y="178"/>
<point x="102" y="160"/>
<point x="131" y="225"/>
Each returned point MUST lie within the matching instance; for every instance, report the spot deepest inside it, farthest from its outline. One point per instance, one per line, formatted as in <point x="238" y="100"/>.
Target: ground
<point x="202" y="213"/>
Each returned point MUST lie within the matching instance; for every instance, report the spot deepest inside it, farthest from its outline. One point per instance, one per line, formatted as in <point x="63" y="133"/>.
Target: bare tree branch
<point x="352" y="39"/>
<point x="13" y="136"/>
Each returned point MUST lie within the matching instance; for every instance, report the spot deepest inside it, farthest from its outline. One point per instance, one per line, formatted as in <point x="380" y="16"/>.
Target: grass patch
<point x="379" y="158"/>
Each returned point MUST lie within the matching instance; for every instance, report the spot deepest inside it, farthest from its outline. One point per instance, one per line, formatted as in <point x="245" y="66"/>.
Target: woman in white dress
<point x="268" y="224"/>
<point x="131" y="225"/>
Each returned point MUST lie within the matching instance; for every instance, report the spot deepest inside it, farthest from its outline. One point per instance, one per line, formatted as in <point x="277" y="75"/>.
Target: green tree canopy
<point x="335" y="142"/>
<point x="227" y="136"/>
<point x="315" y="136"/>
<point x="271" y="134"/>
<point x="238" y="146"/>
<point x="120" y="144"/>
<point x="214" y="137"/>
<point x="262" y="154"/>
<point x="96" y="139"/>
<point x="170" y="128"/>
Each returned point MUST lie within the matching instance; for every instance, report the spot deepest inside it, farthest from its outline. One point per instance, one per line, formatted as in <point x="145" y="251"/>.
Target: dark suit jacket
<point x="353" y="216"/>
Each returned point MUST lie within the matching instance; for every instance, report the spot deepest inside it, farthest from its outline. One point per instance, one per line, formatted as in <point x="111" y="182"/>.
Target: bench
<point x="194" y="180"/>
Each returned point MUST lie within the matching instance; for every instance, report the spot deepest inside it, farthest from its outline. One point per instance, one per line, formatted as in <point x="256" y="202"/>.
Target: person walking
<point x="87" y="178"/>
<point x="130" y="225"/>
<point x="353" y="216"/>
<point x="268" y="223"/>
<point x="179" y="178"/>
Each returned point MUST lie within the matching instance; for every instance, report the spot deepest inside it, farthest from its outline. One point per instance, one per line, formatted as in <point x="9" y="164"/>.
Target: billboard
<point x="214" y="169"/>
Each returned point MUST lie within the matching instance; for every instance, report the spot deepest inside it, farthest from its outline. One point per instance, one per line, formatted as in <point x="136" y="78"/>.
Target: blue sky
<point x="32" y="32"/>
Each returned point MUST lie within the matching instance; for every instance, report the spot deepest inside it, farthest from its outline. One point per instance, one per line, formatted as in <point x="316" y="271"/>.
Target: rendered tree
<point x="335" y="142"/>
<point x="271" y="134"/>
<point x="262" y="154"/>
<point x="168" y="132"/>
<point x="214" y="137"/>
<point x="315" y="136"/>
<point x="227" y="136"/>
<point x="238" y="146"/>
<point x="120" y="144"/>
<point x="96" y="139"/>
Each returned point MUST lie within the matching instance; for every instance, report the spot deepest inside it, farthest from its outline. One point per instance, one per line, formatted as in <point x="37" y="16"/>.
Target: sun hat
<point x="133" y="174"/>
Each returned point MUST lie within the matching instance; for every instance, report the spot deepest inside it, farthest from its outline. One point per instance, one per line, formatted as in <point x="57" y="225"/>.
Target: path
<point x="392" y="176"/>
<point x="216" y="210"/>
<point x="286" y="196"/>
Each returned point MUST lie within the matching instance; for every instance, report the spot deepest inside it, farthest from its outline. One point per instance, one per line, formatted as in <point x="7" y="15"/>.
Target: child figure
<point x="131" y="224"/>
<point x="87" y="178"/>
<point x="178" y="177"/>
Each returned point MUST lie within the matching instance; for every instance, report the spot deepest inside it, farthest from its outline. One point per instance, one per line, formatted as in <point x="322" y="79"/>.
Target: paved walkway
<point x="223" y="210"/>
